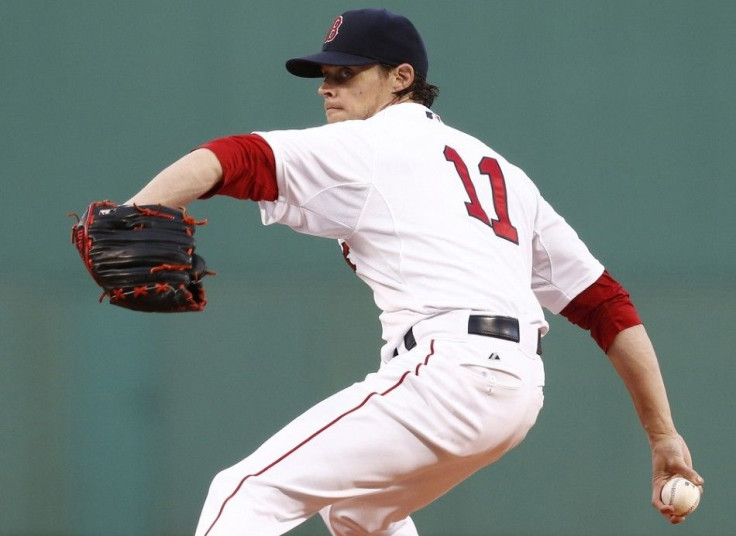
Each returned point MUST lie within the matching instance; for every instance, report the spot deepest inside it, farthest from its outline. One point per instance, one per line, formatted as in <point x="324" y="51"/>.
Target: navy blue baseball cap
<point x="363" y="37"/>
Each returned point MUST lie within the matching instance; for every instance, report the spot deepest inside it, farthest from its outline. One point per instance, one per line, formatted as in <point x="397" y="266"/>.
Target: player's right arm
<point x="604" y="308"/>
<point x="633" y="357"/>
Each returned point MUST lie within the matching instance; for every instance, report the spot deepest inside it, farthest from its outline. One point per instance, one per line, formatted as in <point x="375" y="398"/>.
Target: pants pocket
<point x="493" y="378"/>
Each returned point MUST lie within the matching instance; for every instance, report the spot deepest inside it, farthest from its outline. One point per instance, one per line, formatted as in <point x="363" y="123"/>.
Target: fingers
<point x="666" y="510"/>
<point x="671" y="458"/>
<point x="669" y="511"/>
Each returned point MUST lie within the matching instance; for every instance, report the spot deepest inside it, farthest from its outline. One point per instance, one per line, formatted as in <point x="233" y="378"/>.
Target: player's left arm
<point x="182" y="182"/>
<point x="240" y="166"/>
<point x="634" y="358"/>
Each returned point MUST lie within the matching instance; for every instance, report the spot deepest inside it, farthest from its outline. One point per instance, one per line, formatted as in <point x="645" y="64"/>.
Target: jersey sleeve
<point x="324" y="178"/>
<point x="562" y="265"/>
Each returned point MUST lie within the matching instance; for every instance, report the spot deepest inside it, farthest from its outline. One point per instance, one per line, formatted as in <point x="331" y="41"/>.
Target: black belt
<point x="499" y="327"/>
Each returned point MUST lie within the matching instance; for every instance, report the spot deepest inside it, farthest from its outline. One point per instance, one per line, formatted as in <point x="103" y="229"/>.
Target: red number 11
<point x="488" y="166"/>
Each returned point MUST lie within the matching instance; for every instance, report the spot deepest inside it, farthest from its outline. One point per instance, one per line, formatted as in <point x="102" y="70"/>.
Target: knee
<point x="342" y="524"/>
<point x="363" y="522"/>
<point x="222" y="481"/>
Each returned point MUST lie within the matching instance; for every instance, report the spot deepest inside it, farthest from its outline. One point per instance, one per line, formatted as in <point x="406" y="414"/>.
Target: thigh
<point x="469" y="411"/>
<point x="427" y="412"/>
<point x="386" y="512"/>
<point x="328" y="453"/>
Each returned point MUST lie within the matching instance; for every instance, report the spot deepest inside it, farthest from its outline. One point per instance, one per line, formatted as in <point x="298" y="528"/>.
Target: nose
<point x="325" y="90"/>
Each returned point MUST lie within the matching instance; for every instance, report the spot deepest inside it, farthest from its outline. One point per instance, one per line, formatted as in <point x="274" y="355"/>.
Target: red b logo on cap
<point x="334" y="29"/>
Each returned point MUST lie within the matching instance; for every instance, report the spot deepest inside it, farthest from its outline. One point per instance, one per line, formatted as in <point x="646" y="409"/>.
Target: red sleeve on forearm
<point x="604" y="308"/>
<point x="248" y="168"/>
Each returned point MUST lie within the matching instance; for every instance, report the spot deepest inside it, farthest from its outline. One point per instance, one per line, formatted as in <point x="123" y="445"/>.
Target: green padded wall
<point x="114" y="422"/>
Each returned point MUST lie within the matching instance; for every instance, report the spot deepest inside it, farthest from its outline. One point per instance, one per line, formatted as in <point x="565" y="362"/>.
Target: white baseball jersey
<point x="435" y="220"/>
<point x="441" y="227"/>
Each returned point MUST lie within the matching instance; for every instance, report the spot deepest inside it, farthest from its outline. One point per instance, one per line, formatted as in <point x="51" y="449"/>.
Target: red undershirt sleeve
<point x="248" y="168"/>
<point x="604" y="308"/>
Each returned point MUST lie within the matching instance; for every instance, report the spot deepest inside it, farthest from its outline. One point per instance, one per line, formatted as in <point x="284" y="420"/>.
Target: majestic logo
<point x="334" y="29"/>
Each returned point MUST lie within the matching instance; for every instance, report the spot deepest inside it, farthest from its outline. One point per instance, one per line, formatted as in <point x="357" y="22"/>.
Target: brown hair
<point x="421" y="91"/>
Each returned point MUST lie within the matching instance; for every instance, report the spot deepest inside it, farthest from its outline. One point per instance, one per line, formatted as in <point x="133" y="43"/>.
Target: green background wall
<point x="113" y="423"/>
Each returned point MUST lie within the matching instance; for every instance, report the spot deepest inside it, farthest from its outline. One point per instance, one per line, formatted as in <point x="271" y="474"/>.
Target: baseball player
<point x="462" y="254"/>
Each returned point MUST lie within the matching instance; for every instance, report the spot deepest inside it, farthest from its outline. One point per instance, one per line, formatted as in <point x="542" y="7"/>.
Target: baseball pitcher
<point x="462" y="253"/>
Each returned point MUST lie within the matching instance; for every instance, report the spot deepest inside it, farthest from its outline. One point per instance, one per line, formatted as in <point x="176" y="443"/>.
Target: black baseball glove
<point x="142" y="256"/>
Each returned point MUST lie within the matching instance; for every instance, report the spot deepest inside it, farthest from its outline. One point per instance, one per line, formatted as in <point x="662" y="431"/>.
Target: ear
<point x="403" y="76"/>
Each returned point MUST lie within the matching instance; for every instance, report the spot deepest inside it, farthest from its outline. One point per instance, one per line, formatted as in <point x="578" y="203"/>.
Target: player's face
<point x="355" y="92"/>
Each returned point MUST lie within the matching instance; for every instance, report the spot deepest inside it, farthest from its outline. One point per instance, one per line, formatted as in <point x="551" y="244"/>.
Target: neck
<point x="397" y="100"/>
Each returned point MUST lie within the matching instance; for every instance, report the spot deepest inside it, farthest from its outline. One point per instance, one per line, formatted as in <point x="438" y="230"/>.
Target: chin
<point x="335" y="116"/>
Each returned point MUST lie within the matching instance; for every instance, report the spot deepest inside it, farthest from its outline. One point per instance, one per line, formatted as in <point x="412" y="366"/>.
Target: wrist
<point x="660" y="435"/>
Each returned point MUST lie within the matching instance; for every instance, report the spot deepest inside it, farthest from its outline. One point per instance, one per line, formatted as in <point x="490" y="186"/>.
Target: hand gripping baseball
<point x="142" y="256"/>
<point x="671" y="458"/>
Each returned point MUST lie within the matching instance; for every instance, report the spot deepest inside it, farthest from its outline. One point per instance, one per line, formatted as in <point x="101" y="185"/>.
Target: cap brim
<point x="311" y="66"/>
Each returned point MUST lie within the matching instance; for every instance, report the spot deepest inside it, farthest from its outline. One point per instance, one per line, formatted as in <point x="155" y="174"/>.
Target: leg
<point x="404" y="527"/>
<point x="381" y="448"/>
<point x="307" y="465"/>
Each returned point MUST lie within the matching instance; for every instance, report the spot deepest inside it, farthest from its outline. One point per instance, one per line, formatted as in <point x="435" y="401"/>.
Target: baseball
<point x="682" y="494"/>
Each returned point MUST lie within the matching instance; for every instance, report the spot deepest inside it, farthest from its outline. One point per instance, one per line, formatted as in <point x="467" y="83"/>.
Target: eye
<point x="338" y="75"/>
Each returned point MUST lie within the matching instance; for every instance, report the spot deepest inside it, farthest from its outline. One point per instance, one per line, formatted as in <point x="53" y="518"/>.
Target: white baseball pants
<point x="370" y="455"/>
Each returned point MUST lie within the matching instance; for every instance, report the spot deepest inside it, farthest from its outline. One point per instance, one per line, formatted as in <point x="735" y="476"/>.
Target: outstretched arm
<point x="182" y="182"/>
<point x="633" y="357"/>
<point x="240" y="166"/>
